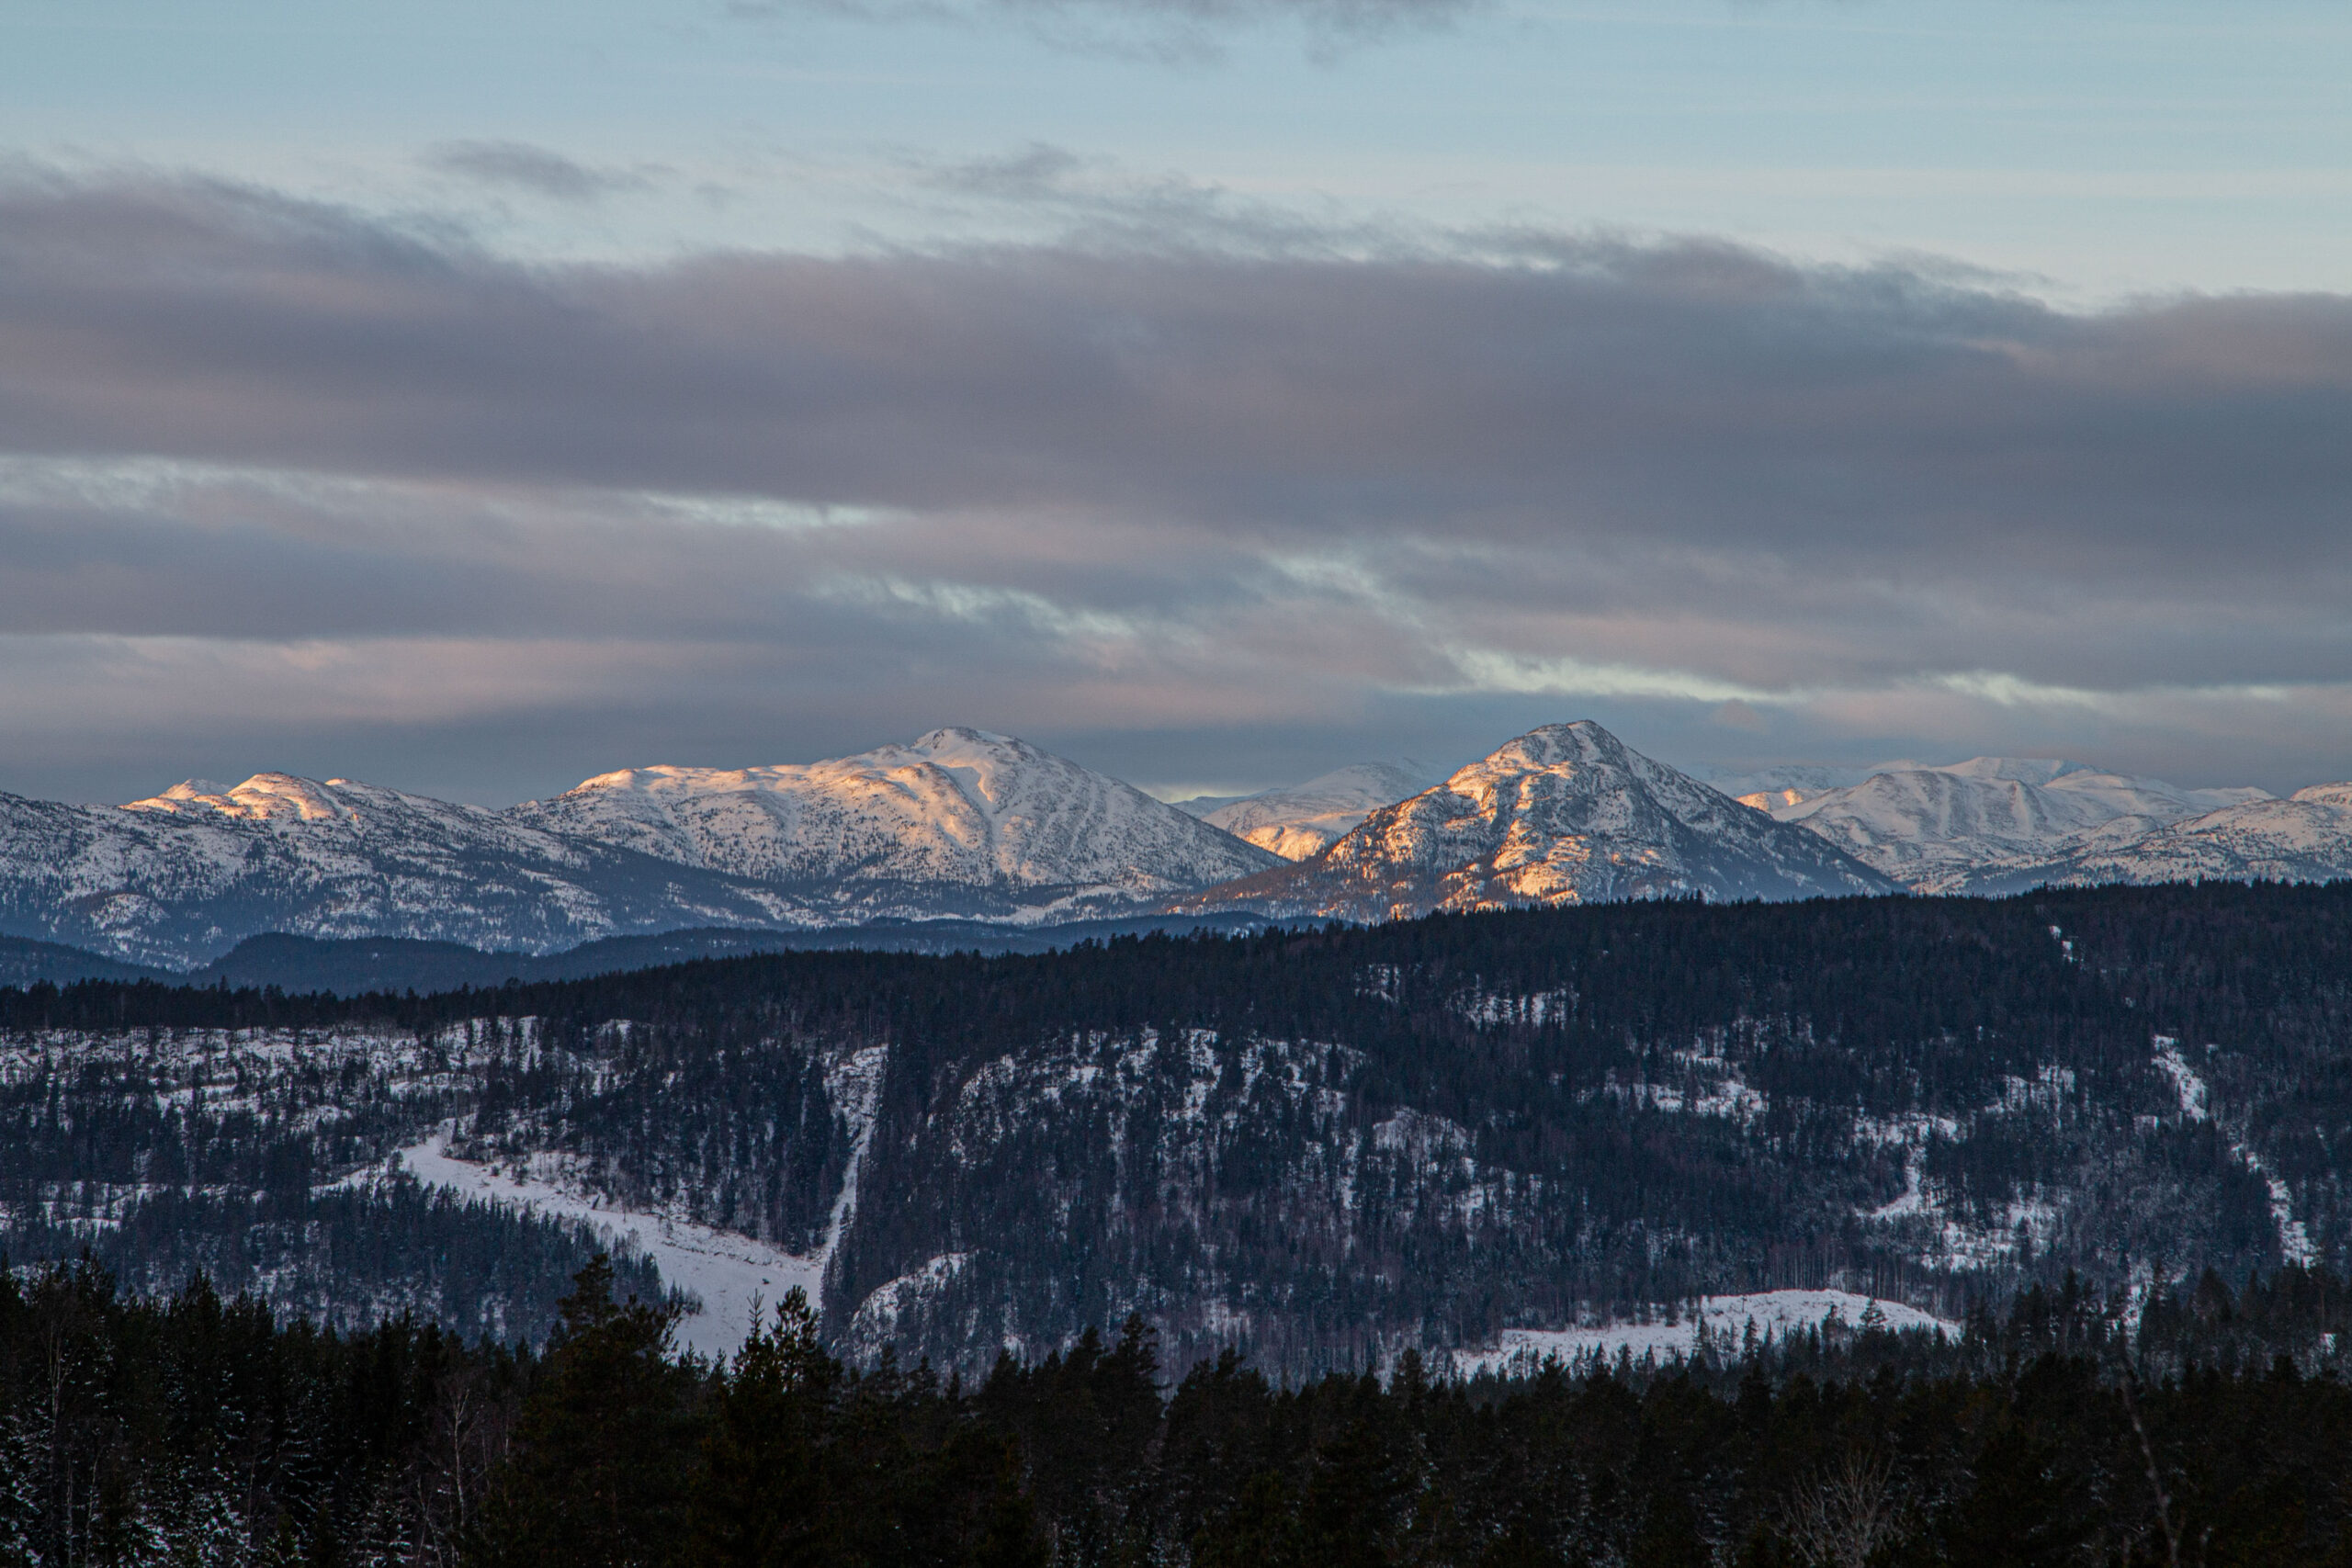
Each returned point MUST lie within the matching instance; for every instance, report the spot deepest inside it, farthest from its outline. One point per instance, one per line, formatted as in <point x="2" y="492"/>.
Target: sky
<point x="474" y="398"/>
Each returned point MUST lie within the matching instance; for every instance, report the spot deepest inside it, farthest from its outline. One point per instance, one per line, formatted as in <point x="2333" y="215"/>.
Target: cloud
<point x="518" y="166"/>
<point x="1150" y="494"/>
<point x="1176" y="31"/>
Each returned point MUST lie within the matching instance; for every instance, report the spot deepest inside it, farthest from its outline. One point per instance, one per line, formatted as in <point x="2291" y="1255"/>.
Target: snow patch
<point x="1726" y="1319"/>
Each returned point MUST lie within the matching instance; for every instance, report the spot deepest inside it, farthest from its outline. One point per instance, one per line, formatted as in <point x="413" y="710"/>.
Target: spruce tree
<point x="599" y="1473"/>
<point x="770" y="1495"/>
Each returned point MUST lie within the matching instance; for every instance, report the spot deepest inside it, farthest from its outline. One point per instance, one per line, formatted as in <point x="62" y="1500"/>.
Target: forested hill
<point x="1326" y="1147"/>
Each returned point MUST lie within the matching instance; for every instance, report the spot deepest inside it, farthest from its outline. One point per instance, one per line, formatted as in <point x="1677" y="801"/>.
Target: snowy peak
<point x="957" y="808"/>
<point x="2012" y="770"/>
<point x="285" y="798"/>
<point x="2307" y="838"/>
<point x="1566" y="814"/>
<point x="1304" y="819"/>
<point x="1932" y="827"/>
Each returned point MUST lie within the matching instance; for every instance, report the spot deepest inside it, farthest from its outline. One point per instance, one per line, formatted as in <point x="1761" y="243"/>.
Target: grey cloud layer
<point x="537" y="171"/>
<point x="1129" y="485"/>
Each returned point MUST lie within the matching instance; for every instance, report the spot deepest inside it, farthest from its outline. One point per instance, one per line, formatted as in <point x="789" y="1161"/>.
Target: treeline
<point x="199" y="1430"/>
<point x="346" y="1257"/>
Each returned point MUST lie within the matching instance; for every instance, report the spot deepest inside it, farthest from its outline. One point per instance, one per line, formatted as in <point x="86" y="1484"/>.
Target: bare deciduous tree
<point x="1848" y="1511"/>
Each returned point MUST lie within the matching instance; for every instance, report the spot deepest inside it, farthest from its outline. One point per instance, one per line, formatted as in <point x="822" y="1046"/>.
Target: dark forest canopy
<point x="2200" y="955"/>
<point x="201" y="1430"/>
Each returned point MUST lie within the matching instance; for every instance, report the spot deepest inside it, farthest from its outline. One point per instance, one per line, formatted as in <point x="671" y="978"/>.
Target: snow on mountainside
<point x="1794" y="782"/>
<point x="185" y="875"/>
<point x="1304" y="819"/>
<point x="960" y="822"/>
<point x="1933" y="827"/>
<point x="2306" y="838"/>
<point x="1566" y="814"/>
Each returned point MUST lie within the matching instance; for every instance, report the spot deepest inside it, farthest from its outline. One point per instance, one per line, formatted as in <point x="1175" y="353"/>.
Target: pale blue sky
<point x="2102" y="146"/>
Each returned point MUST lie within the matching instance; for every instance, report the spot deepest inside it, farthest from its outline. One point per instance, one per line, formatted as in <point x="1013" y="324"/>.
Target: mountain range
<point x="968" y="832"/>
<point x="961" y="824"/>
<point x="1936" y="828"/>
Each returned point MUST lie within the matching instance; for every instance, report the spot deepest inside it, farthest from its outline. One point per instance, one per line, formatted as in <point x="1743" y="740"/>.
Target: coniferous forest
<point x="197" y="1430"/>
<point x="1200" y="1250"/>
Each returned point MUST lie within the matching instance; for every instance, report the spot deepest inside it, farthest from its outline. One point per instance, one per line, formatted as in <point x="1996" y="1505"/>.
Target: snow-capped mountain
<point x="2304" y="837"/>
<point x="1304" y="819"/>
<point x="1566" y="814"/>
<point x="959" y="822"/>
<point x="185" y="875"/>
<point x="1934" y="827"/>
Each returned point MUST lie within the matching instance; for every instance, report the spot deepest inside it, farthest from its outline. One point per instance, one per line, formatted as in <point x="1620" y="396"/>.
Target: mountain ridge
<point x="1565" y="813"/>
<point x="1932" y="827"/>
<point x="1037" y="834"/>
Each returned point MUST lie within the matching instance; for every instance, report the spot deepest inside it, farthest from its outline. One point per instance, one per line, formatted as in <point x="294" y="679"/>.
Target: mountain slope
<point x="1566" y="814"/>
<point x="1304" y="819"/>
<point x="182" y="876"/>
<point x="2306" y="838"/>
<point x="961" y="822"/>
<point x="1933" y="828"/>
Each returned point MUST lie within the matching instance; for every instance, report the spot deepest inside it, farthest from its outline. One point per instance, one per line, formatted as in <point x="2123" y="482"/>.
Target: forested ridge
<point x="199" y="1430"/>
<point x="1321" y="1147"/>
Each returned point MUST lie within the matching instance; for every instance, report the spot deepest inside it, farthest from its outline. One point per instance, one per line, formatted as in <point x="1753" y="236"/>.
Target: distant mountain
<point x="356" y="966"/>
<point x="1936" y="828"/>
<point x="183" y="876"/>
<point x="1791" y="782"/>
<point x="24" y="962"/>
<point x="961" y="823"/>
<point x="1566" y="814"/>
<point x="2306" y="838"/>
<point x="1304" y="819"/>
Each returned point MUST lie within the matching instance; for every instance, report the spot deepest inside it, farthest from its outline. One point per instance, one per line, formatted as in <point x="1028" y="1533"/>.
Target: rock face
<point x="2306" y="838"/>
<point x="1935" y="829"/>
<point x="961" y="822"/>
<point x="181" y="877"/>
<point x="1304" y="819"/>
<point x="1566" y="813"/>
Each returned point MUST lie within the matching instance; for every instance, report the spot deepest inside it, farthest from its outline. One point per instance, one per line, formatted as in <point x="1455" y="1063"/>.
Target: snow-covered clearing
<point x="1775" y="1314"/>
<point x="729" y="1272"/>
